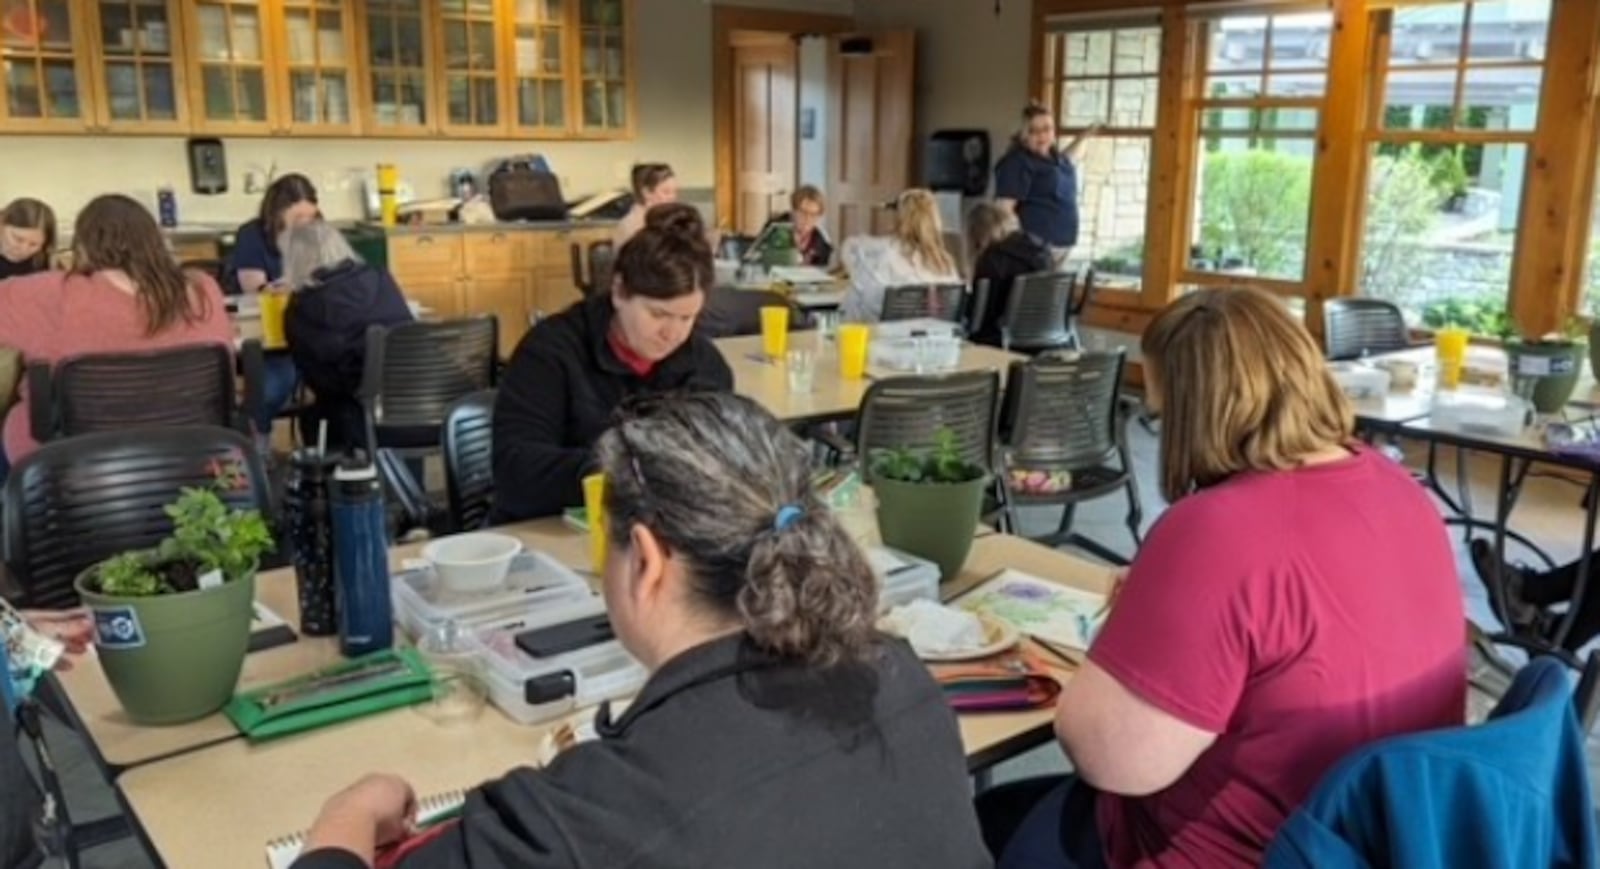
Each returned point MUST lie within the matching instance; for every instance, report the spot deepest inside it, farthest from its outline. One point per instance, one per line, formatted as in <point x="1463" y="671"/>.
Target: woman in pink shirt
<point x="125" y="293"/>
<point x="1297" y="601"/>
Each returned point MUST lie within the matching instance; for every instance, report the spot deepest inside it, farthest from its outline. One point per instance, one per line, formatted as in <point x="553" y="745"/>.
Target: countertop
<point x="499" y="226"/>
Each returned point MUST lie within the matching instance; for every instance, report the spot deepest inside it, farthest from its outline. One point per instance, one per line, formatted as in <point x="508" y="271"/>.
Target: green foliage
<point x="1483" y="317"/>
<point x="207" y="535"/>
<point x="1254" y="205"/>
<point x="942" y="464"/>
<point x="1402" y="205"/>
<point x="1126" y="259"/>
<point x="1448" y="171"/>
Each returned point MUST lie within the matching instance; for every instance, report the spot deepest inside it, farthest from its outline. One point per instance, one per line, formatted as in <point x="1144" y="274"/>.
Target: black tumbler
<point x="311" y="539"/>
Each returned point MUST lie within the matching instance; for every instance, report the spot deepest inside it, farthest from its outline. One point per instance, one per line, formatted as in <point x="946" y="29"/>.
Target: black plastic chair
<point x="1065" y="414"/>
<point x="910" y="412"/>
<point x="413" y="373"/>
<point x="79" y="501"/>
<point x="919" y="301"/>
<point x="179" y="386"/>
<point x="1353" y="328"/>
<point x="592" y="273"/>
<point x="1038" y="314"/>
<point x="468" y="438"/>
<point x="730" y="312"/>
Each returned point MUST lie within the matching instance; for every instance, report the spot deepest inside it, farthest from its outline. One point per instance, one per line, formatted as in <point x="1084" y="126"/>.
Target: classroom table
<point x="219" y="805"/>
<point x="832" y="397"/>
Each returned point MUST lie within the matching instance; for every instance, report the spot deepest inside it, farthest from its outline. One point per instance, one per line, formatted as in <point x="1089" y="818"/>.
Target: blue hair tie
<point x="788" y="514"/>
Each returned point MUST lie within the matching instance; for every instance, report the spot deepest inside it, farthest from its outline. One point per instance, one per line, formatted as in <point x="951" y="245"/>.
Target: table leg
<point x="1586" y="555"/>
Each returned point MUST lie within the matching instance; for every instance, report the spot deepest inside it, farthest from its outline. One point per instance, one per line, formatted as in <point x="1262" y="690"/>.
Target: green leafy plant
<point x="941" y="464"/>
<point x="1448" y="172"/>
<point x="1254" y="206"/>
<point x="1484" y="317"/>
<point x="207" y="535"/>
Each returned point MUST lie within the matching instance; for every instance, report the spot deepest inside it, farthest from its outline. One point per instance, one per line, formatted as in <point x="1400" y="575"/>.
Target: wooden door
<point x="765" y="111"/>
<point x="316" y="80"/>
<point x="139" y="77"/>
<point x="507" y="298"/>
<point x="46" y="78"/>
<point x="397" y="89"/>
<point x="871" y="90"/>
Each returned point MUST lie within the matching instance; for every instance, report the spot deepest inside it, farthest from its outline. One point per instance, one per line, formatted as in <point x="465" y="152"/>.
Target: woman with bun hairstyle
<point x="776" y="728"/>
<point x="1038" y="181"/>
<point x="571" y="371"/>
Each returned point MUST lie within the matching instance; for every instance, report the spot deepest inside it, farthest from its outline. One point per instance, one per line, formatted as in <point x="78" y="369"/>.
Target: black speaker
<point x="958" y="160"/>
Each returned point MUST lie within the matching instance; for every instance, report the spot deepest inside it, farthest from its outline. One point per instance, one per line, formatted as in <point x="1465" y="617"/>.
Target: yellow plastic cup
<point x="775" y="331"/>
<point x="853" y="339"/>
<point x="1450" y="348"/>
<point x="273" y="306"/>
<point x="594" y="506"/>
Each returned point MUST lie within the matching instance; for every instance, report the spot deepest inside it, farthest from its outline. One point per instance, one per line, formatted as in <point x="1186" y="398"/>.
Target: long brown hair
<point x="920" y="233"/>
<point x="288" y="191"/>
<point x="115" y="232"/>
<point x="1240" y="386"/>
<point x="28" y="213"/>
<point x="647" y="177"/>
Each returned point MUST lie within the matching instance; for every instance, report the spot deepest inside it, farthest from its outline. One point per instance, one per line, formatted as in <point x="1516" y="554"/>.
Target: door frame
<point x="724" y="21"/>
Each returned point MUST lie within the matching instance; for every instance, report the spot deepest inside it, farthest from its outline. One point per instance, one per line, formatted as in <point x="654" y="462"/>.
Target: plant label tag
<point x="1533" y="366"/>
<point x="118" y="627"/>
<point x="211" y="579"/>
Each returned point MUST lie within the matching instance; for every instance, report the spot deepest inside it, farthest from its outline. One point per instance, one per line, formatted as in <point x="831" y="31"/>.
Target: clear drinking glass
<point x="459" y="692"/>
<point x="827" y="324"/>
<point x="802" y="367"/>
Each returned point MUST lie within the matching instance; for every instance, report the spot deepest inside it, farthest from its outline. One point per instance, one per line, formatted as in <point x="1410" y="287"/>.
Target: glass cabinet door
<point x="228" y="63"/>
<point x="399" y="97"/>
<point x="44" y="81"/>
<point x="603" y="60"/>
<point x="539" y="56"/>
<point x="139" y="80"/>
<point x="471" y="61"/>
<point x="318" y="54"/>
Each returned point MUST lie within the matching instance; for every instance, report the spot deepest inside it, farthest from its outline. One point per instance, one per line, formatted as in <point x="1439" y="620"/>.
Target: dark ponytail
<point x="728" y="487"/>
<point x="670" y="257"/>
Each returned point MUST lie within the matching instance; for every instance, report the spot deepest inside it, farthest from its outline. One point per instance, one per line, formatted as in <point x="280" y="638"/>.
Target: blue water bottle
<point x="167" y="207"/>
<point x="361" y="559"/>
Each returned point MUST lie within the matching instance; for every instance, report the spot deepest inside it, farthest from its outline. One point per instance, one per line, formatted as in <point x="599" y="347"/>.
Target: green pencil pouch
<point x="350" y="689"/>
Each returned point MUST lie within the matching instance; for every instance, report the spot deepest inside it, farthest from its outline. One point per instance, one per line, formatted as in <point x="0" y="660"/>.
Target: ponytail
<point x="808" y="591"/>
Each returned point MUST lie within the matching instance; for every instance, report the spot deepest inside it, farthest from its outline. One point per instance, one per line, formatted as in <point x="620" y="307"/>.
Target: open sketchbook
<point x="281" y="852"/>
<point x="1064" y="617"/>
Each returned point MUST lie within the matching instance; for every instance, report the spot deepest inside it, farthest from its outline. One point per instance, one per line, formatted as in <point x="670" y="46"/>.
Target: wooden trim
<point x="725" y="20"/>
<point x="1165" y="212"/>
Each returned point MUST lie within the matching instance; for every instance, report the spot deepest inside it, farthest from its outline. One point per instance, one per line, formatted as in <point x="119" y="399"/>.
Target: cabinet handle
<point x="498" y="237"/>
<point x="424" y="239"/>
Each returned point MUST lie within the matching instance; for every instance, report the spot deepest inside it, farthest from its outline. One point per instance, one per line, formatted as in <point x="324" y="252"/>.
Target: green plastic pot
<point x="1594" y="349"/>
<point x="1553" y="366"/>
<point x="176" y="657"/>
<point x="931" y="520"/>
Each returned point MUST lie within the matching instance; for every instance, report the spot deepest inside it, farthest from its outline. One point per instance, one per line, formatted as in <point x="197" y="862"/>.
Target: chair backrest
<point x="1065" y="410"/>
<point x="730" y="311"/>
<point x="919" y="301"/>
<point x="1037" y="310"/>
<point x="910" y="412"/>
<point x="468" y="440"/>
<point x="1352" y="328"/>
<point x="1511" y="792"/>
<point x="77" y="502"/>
<point x="602" y="260"/>
<point x="179" y="386"/>
<point x="415" y="371"/>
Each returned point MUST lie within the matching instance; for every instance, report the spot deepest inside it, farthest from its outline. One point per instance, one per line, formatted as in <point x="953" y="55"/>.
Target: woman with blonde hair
<point x="914" y="254"/>
<point x="1003" y="252"/>
<point x="1297" y="601"/>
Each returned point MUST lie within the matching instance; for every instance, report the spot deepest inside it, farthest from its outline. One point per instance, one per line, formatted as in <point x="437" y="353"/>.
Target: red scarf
<point x="626" y="355"/>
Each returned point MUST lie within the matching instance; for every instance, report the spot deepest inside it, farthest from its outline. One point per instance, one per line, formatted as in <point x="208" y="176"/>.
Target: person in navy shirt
<point x="1038" y="182"/>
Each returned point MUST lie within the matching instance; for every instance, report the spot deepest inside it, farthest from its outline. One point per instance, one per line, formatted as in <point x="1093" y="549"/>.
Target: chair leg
<point x="1068" y="515"/>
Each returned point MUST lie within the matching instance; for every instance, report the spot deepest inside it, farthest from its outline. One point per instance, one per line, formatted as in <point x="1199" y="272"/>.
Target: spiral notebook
<point x="431" y="811"/>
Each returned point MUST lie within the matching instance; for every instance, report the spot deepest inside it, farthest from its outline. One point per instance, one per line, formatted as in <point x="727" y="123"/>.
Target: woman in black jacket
<point x="777" y="728"/>
<point x="337" y="297"/>
<point x="1002" y="253"/>
<point x="570" y="372"/>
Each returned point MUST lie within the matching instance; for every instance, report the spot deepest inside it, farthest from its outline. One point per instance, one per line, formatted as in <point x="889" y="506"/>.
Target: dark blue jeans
<point x="279" y="381"/>
<point x="1042" y="823"/>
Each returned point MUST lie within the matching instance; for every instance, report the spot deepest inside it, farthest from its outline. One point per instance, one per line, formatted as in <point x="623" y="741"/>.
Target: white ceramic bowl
<point x="474" y="562"/>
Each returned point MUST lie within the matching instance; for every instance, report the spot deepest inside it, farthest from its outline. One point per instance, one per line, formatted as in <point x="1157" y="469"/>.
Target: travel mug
<point x="310" y="524"/>
<point x="361" y="560"/>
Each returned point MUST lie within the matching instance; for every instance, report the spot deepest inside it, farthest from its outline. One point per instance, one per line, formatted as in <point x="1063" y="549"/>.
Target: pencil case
<point x="349" y="689"/>
<point x="1011" y="684"/>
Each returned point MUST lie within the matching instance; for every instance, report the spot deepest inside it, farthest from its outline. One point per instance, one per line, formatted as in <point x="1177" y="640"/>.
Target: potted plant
<point x="1551" y="364"/>
<point x="929" y="501"/>
<point x="172" y="623"/>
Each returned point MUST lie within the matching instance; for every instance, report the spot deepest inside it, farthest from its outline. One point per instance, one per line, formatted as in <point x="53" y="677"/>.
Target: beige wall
<point x="972" y="67"/>
<point x="674" y="104"/>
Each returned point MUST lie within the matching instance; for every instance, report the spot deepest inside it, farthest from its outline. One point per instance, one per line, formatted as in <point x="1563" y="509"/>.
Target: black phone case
<point x="547" y="642"/>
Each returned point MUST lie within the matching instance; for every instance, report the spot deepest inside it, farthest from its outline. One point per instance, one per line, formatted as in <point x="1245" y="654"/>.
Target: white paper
<point x="1050" y="611"/>
<point x="211" y="579"/>
<point x="883" y="561"/>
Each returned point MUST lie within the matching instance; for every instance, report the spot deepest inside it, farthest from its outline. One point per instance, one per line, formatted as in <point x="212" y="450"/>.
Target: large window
<point x="1453" y="114"/>
<point x="1263" y="79"/>
<point x="1106" y="73"/>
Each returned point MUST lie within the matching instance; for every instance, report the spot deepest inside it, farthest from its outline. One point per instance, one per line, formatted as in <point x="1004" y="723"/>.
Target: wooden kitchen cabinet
<point x="46" y="82"/>
<point x="139" y="84"/>
<point x="506" y="297"/>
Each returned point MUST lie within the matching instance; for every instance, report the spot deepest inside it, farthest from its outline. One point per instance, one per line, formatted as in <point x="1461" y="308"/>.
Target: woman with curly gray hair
<point x="777" y="728"/>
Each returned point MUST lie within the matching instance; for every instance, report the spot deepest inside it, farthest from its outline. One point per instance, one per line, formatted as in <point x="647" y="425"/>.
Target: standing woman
<point x="125" y="293"/>
<point x="915" y="254"/>
<point x="1038" y="182"/>
<point x="27" y="238"/>
<point x="653" y="184"/>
